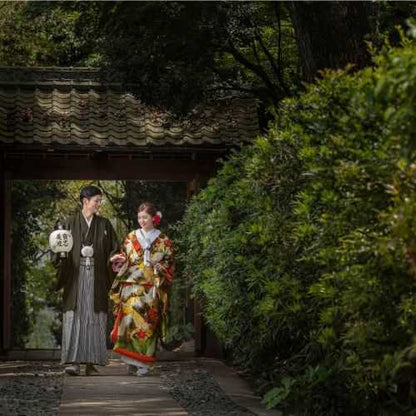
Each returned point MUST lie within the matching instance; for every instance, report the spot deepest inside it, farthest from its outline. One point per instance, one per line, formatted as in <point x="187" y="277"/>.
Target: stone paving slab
<point x="113" y="392"/>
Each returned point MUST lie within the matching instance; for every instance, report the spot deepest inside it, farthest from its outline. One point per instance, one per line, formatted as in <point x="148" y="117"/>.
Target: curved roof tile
<point x="75" y="105"/>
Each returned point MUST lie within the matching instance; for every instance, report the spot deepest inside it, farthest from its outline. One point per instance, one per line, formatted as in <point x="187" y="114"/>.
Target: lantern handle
<point x="58" y="225"/>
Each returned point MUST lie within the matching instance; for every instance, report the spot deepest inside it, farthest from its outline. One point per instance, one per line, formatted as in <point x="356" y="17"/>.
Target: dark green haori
<point x="104" y="240"/>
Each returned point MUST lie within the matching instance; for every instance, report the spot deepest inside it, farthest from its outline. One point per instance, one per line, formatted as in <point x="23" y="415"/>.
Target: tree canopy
<point x="179" y="54"/>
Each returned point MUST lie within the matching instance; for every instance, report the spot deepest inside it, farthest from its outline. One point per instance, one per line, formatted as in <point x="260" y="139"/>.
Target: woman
<point x="140" y="291"/>
<point x="86" y="277"/>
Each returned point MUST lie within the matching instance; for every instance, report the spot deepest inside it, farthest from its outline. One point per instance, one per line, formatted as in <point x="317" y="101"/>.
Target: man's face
<point x="93" y="204"/>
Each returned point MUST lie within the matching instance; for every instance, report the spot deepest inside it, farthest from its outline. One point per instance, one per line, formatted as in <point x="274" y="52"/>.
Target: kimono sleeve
<point x="168" y="261"/>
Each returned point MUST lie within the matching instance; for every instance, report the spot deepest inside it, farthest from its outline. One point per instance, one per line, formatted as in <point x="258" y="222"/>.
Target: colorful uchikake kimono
<point x="140" y="295"/>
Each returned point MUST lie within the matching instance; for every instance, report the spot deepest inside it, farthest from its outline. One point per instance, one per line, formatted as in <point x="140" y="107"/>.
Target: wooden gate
<point x="76" y="123"/>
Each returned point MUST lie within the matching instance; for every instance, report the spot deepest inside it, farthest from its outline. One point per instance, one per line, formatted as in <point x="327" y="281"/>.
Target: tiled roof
<point x="78" y="106"/>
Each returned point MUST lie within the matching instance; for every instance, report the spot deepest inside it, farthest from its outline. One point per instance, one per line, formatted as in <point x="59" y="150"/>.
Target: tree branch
<point x="269" y="56"/>
<point x="257" y="69"/>
<point x="41" y="254"/>
<point x="277" y="8"/>
<point x="114" y="203"/>
<point x="253" y="44"/>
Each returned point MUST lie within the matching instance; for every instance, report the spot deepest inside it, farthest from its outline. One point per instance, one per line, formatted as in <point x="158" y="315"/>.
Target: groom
<point x="86" y="278"/>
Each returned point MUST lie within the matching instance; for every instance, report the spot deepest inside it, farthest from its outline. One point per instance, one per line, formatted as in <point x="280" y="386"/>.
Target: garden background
<point x="302" y="248"/>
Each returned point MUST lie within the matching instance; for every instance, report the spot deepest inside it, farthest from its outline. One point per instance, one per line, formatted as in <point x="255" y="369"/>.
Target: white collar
<point x="88" y="221"/>
<point x="147" y="237"/>
<point x="146" y="242"/>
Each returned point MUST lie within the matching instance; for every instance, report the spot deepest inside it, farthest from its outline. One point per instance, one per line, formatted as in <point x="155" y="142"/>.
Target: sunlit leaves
<point x="324" y="279"/>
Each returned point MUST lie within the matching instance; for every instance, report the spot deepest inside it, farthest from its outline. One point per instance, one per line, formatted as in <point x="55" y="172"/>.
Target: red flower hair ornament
<point x="156" y="219"/>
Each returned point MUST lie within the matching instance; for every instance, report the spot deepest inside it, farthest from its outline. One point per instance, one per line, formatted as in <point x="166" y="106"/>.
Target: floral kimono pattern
<point x="140" y="296"/>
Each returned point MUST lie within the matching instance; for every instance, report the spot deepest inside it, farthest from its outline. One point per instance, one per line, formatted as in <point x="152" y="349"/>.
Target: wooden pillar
<point x="192" y="187"/>
<point x="199" y="329"/>
<point x="5" y="237"/>
<point x="2" y="179"/>
<point x="206" y="343"/>
<point x="192" y="307"/>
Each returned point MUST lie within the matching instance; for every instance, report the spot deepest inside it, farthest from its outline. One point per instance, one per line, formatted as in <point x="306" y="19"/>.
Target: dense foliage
<point x="32" y="282"/>
<point x="38" y="33"/>
<point x="303" y="250"/>
<point x="156" y="46"/>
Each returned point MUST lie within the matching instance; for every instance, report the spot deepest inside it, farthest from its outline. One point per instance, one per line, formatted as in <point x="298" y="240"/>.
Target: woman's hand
<point x="118" y="258"/>
<point x="159" y="267"/>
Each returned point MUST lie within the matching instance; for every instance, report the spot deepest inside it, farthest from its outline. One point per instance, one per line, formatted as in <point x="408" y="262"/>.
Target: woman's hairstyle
<point x="148" y="207"/>
<point x="88" y="192"/>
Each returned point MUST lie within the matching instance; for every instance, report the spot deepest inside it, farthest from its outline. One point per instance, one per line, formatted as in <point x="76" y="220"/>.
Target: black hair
<point x="88" y="192"/>
<point x="148" y="207"/>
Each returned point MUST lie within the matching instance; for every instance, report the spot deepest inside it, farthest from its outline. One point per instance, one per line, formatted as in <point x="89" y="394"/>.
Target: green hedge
<point x="303" y="247"/>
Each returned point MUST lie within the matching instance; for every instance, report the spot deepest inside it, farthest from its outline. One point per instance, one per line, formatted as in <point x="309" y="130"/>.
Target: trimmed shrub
<point x="303" y="248"/>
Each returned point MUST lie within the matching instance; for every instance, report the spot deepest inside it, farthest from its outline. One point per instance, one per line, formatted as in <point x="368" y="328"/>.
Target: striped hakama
<point x="84" y="331"/>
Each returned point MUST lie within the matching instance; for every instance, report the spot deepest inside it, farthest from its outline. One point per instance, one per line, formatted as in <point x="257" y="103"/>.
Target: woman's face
<point x="93" y="204"/>
<point x="145" y="220"/>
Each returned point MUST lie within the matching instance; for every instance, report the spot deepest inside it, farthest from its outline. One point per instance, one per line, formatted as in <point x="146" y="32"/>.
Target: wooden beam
<point x="194" y="307"/>
<point x="109" y="169"/>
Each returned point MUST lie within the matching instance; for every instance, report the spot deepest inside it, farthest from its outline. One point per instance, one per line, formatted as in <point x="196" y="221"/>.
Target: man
<point x="86" y="278"/>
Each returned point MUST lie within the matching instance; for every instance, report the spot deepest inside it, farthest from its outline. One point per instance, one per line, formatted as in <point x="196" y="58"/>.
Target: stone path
<point x="113" y="392"/>
<point x="181" y="384"/>
<point x="202" y="386"/>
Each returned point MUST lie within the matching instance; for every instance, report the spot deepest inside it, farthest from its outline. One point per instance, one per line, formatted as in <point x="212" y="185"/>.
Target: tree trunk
<point x="331" y="34"/>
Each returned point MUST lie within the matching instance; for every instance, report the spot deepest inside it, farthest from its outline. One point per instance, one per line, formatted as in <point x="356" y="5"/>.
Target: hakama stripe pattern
<point x="84" y="330"/>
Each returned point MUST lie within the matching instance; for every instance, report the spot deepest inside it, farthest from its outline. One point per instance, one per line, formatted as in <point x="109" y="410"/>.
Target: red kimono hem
<point x="135" y="355"/>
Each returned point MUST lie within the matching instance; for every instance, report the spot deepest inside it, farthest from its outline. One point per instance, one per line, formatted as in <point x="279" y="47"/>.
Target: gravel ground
<point x="196" y="390"/>
<point x="30" y="388"/>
